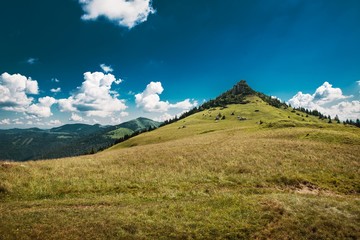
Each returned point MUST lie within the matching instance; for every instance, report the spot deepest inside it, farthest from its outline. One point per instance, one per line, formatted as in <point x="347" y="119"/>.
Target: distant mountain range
<point x="65" y="141"/>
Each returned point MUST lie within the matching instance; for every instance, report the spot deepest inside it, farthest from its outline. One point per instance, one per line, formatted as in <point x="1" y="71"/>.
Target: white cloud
<point x="164" y="117"/>
<point x="55" y="90"/>
<point x="18" y="122"/>
<point x="302" y="100"/>
<point x="167" y="116"/>
<point x="55" y="80"/>
<point x="31" y="61"/>
<point x="275" y="97"/>
<point x="14" y="90"/>
<point x="43" y="108"/>
<point x="329" y="101"/>
<point x="124" y="114"/>
<point x="115" y="120"/>
<point x="75" y="118"/>
<point x="94" y="97"/>
<point x="326" y="93"/>
<point x="106" y="68"/>
<point x="185" y="105"/>
<point x="54" y="122"/>
<point x="123" y="12"/>
<point x="5" y="121"/>
<point x="346" y="110"/>
<point x="149" y="100"/>
<point x="30" y="120"/>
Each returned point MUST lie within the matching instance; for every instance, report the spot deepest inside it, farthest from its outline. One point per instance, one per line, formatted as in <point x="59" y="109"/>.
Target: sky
<point x="109" y="61"/>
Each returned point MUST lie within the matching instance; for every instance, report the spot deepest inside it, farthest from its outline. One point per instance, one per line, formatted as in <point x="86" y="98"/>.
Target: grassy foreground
<point x="292" y="177"/>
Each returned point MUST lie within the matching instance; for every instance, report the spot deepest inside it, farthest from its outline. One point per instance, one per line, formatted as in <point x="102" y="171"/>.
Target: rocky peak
<point x="242" y="88"/>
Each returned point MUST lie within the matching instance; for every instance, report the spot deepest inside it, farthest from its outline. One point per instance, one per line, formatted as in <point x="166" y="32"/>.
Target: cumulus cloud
<point x="124" y="114"/>
<point x="55" y="90"/>
<point x="275" y="97"/>
<point x="326" y="94"/>
<point x="42" y="108"/>
<point x="123" y="12"/>
<point x="94" y="97"/>
<point x="328" y="100"/>
<point x="17" y="121"/>
<point x="149" y="100"/>
<point x="163" y="117"/>
<point x="167" y="116"/>
<point x="185" y="105"/>
<point x="55" y="80"/>
<point x="346" y="110"/>
<point x="5" y="121"/>
<point x="106" y="68"/>
<point x="75" y="118"/>
<point x="54" y="122"/>
<point x="14" y="90"/>
<point x="115" y="120"/>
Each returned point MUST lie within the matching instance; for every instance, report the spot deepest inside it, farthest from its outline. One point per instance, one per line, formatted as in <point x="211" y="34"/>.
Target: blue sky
<point x="165" y="57"/>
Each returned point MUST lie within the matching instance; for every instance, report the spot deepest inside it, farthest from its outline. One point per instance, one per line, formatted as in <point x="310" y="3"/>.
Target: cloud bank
<point x="94" y="98"/>
<point x="123" y="12"/>
<point x="328" y="100"/>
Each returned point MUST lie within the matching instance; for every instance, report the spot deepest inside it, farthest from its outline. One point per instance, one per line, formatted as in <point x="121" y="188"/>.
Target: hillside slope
<point x="251" y="117"/>
<point x="260" y="173"/>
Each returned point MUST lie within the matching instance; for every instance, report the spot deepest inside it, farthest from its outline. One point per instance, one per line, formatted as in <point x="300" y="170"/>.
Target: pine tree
<point x="329" y="119"/>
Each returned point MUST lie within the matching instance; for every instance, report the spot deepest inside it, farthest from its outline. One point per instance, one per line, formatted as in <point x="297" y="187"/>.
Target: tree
<point x="337" y="119"/>
<point x="92" y="151"/>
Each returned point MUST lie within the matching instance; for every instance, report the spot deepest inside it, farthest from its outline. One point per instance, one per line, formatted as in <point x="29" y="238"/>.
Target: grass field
<point x="291" y="177"/>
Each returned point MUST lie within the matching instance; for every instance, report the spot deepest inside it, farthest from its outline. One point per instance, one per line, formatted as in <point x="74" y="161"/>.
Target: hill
<point x="65" y="141"/>
<point x="260" y="172"/>
<point x="238" y="95"/>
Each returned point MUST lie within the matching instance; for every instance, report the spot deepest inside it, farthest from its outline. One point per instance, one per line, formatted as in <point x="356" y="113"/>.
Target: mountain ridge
<point x="66" y="140"/>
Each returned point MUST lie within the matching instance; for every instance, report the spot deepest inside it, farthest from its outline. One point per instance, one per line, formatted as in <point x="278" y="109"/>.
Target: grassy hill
<point x="128" y="128"/>
<point x="276" y="175"/>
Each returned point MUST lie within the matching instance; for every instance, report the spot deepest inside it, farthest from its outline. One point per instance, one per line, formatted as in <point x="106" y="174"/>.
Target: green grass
<point x="284" y="179"/>
<point x="119" y="133"/>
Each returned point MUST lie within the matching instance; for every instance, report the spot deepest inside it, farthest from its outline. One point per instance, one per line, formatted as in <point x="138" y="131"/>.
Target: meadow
<point x="279" y="174"/>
